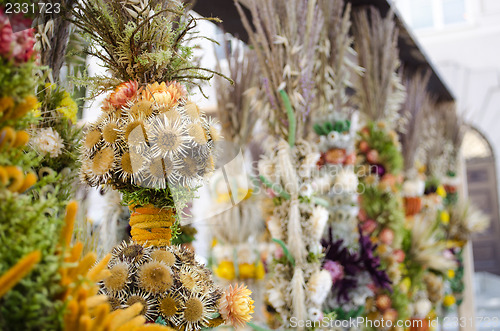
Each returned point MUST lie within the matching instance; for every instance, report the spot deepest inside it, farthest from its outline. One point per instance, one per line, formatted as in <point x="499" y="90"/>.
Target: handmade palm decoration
<point x="286" y="56"/>
<point x="379" y="94"/>
<point x="154" y="146"/>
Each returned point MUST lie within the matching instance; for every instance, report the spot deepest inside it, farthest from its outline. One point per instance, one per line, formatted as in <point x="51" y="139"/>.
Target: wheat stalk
<point x="417" y="107"/>
<point x="379" y="92"/>
<point x="285" y="35"/>
<point x="236" y="103"/>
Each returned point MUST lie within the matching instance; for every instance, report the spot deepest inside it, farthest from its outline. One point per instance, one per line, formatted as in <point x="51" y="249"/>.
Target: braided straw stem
<point x="151" y="226"/>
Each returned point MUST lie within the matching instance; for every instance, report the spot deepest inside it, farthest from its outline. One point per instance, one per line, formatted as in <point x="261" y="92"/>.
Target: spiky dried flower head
<point x="169" y="306"/>
<point x="141" y="109"/>
<point x="197" y="133"/>
<point x="132" y="253"/>
<point x="126" y="164"/>
<point x="190" y="278"/>
<point x="103" y="161"/>
<point x="148" y="302"/>
<point x="159" y="171"/>
<point x="167" y="138"/>
<point x="92" y="138"/>
<point x="196" y="311"/>
<point x="110" y="132"/>
<point x="118" y="279"/>
<point x="130" y="128"/>
<point x="155" y="277"/>
<point x="114" y="301"/>
<point x="192" y="110"/>
<point x="236" y="305"/>
<point x="163" y="256"/>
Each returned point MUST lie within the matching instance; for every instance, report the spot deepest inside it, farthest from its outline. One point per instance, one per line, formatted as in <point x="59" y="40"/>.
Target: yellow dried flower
<point x="445" y="217"/>
<point x="441" y="191"/>
<point x="449" y="300"/>
<point x="155" y="277"/>
<point x="246" y="270"/>
<point x="225" y="270"/>
<point x="18" y="271"/>
<point x="68" y="107"/>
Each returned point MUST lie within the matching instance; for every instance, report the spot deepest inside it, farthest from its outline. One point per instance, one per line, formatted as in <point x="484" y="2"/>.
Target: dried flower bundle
<point x="296" y="224"/>
<point x="168" y="282"/>
<point x="417" y="107"/>
<point x="444" y="122"/>
<point x="155" y="146"/>
<point x="151" y="137"/>
<point x="139" y="40"/>
<point x="236" y="102"/>
<point x="337" y="60"/>
<point x="465" y="220"/>
<point x="426" y="248"/>
<point x="379" y="92"/>
<point x="285" y="40"/>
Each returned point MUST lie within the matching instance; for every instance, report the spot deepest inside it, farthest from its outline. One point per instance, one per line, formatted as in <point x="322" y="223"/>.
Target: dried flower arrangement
<point x="379" y="93"/>
<point x="237" y="229"/>
<point x="25" y="208"/>
<point x="48" y="289"/>
<point x="155" y="146"/>
<point x="335" y="124"/>
<point x="287" y="55"/>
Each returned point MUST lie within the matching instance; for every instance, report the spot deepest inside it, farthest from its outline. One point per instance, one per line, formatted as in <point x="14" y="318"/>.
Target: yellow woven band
<point x="151" y="225"/>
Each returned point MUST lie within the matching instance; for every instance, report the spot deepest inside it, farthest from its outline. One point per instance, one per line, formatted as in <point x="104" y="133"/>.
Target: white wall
<point x="467" y="55"/>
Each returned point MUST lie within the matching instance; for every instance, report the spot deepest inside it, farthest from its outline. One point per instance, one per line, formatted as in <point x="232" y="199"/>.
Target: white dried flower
<point x="422" y="308"/>
<point x="315" y="314"/>
<point x="273" y="224"/>
<point x="413" y="188"/>
<point x="319" y="218"/>
<point x="275" y="297"/>
<point x="319" y="286"/>
<point x="346" y="181"/>
<point x="48" y="141"/>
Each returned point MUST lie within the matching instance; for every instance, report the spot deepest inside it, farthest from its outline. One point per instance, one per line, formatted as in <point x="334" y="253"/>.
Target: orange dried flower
<point x="236" y="305"/>
<point x="123" y="93"/>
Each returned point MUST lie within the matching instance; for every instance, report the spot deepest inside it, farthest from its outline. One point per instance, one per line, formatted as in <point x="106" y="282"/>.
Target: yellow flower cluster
<point x="10" y="110"/>
<point x="444" y="216"/>
<point x="449" y="300"/>
<point x="226" y="270"/>
<point x="441" y="191"/>
<point x="86" y="310"/>
<point x="68" y="107"/>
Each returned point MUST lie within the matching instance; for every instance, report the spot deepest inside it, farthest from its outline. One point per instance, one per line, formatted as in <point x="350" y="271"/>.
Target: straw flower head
<point x="236" y="305"/>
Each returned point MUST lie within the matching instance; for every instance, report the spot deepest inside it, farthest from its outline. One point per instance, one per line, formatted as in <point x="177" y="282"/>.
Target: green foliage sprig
<point x="323" y="129"/>
<point x="17" y="81"/>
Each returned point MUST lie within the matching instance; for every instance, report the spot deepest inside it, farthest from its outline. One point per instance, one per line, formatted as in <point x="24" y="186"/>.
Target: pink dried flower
<point x="335" y="269"/>
<point x="6" y="35"/>
<point x="369" y="226"/>
<point x="386" y="236"/>
<point x="23" y="45"/>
